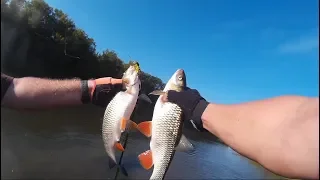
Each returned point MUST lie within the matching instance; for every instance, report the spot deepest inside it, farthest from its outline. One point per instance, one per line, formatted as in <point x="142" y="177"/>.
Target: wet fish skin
<point x="117" y="115"/>
<point x="165" y="130"/>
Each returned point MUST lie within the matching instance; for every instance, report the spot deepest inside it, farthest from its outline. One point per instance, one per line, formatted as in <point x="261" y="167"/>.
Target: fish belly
<point x="121" y="106"/>
<point x="166" y="125"/>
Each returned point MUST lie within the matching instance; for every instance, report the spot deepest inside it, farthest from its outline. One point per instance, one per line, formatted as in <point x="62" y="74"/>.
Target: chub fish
<point x="165" y="130"/>
<point x="118" y="112"/>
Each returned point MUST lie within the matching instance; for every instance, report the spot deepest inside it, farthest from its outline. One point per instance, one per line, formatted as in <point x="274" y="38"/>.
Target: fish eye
<point x="180" y="78"/>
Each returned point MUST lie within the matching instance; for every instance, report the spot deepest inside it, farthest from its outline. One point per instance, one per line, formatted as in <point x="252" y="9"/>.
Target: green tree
<point x="54" y="47"/>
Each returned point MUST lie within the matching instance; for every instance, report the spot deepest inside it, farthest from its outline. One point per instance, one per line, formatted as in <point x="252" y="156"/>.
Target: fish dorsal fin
<point x="184" y="145"/>
<point x="157" y="92"/>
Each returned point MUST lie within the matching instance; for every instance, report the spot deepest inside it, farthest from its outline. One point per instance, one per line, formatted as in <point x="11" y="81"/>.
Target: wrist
<point x="215" y="118"/>
<point x="197" y="114"/>
<point x="87" y="89"/>
<point x="92" y="87"/>
<point x="206" y="116"/>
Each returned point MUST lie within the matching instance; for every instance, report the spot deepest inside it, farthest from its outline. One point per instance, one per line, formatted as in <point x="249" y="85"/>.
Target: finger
<point x="105" y="80"/>
<point x="116" y="81"/>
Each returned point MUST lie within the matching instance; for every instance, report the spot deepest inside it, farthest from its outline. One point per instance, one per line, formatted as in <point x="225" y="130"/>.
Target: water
<point x="66" y="143"/>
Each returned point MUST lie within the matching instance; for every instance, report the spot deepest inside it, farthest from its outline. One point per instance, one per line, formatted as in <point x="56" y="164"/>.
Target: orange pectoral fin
<point x="118" y="146"/>
<point x="123" y="124"/>
<point x="145" y="159"/>
<point x="145" y="128"/>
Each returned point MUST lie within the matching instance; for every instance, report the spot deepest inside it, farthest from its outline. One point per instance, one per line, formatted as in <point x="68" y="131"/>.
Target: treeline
<point x="41" y="41"/>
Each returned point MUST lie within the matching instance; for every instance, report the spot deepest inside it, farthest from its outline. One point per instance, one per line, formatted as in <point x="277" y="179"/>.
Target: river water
<point x="66" y="144"/>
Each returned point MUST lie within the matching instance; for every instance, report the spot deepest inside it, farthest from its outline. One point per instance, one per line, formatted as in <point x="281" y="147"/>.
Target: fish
<point x="165" y="130"/>
<point x="117" y="115"/>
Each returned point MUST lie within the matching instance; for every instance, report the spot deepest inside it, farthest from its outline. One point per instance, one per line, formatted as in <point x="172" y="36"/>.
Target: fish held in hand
<point x="118" y="112"/>
<point x="165" y="130"/>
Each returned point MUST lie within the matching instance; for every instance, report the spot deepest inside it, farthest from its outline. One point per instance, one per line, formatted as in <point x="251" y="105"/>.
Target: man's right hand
<point x="192" y="104"/>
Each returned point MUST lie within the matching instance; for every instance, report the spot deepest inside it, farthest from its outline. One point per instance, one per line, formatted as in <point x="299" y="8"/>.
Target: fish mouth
<point x="130" y="72"/>
<point x="180" y="72"/>
<point x="136" y="66"/>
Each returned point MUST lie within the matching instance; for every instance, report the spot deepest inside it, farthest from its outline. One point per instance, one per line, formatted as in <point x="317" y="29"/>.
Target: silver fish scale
<point x="110" y="120"/>
<point x="165" y="129"/>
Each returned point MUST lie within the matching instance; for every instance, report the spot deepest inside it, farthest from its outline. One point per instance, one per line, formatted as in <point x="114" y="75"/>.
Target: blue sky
<point x="232" y="50"/>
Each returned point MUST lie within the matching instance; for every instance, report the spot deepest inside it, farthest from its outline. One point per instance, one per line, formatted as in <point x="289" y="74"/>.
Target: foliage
<point x="42" y="41"/>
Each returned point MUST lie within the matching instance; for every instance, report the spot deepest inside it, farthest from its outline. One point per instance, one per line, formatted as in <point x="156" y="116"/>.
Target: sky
<point x="232" y="51"/>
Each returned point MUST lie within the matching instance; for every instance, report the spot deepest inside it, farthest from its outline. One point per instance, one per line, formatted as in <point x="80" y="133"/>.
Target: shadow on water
<point x="66" y="143"/>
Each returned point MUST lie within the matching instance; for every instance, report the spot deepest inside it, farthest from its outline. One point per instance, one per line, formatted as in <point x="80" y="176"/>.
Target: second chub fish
<point x="165" y="130"/>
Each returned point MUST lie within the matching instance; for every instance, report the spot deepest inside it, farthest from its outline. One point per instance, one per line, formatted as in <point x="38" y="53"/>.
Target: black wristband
<point x="85" y="94"/>
<point x="197" y="113"/>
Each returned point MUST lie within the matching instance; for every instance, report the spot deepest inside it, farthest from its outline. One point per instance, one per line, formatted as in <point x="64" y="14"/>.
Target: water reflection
<point x="66" y="143"/>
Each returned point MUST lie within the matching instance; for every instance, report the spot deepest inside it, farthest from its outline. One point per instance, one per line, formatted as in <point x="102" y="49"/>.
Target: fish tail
<point x="113" y="163"/>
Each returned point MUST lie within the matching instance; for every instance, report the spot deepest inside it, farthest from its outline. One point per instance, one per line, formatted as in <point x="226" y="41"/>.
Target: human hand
<point x="192" y="104"/>
<point x="104" y="89"/>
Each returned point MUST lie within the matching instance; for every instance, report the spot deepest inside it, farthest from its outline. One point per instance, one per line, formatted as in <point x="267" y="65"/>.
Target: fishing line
<point x="121" y="156"/>
<point x="125" y="143"/>
<point x="126" y="137"/>
<point x="65" y="42"/>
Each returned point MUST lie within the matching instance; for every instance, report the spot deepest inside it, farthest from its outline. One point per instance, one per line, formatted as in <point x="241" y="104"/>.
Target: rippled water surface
<point x="66" y="143"/>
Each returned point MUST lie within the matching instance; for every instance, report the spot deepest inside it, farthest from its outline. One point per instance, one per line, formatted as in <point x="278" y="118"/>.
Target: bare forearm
<point x="280" y="133"/>
<point x="42" y="93"/>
